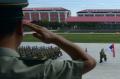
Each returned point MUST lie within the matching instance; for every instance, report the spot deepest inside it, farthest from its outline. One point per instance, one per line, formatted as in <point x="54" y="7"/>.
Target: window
<point x="99" y="14"/>
<point x="80" y="15"/>
<point x="117" y="14"/>
<point x="89" y="15"/>
<point x="110" y="14"/>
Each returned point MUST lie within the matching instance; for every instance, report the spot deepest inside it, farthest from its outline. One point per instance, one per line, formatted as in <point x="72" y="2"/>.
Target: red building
<point x="46" y="14"/>
<point x="96" y="15"/>
<point x="96" y="20"/>
<point x="99" y="12"/>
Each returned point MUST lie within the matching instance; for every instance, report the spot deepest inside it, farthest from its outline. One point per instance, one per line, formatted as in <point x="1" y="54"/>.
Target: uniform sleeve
<point x="67" y="69"/>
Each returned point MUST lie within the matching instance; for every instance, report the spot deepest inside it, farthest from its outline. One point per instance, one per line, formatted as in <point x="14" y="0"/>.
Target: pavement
<point x="105" y="70"/>
<point x="25" y="33"/>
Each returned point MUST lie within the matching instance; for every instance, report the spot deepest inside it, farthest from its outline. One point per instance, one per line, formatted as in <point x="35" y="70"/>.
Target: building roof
<point x="46" y="9"/>
<point x="93" y="19"/>
<point x="100" y="10"/>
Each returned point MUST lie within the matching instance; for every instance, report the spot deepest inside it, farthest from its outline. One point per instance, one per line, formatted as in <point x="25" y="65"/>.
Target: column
<point x="66" y="15"/>
<point x="59" y="16"/>
<point x="40" y="16"/>
<point x="49" y="17"/>
<point x="30" y="16"/>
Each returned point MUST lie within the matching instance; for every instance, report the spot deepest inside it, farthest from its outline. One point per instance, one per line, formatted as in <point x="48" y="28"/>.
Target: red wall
<point x="44" y="16"/>
<point x="26" y="16"/>
<point x="35" y="16"/>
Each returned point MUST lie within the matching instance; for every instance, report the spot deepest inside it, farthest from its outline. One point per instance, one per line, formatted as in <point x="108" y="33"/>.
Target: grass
<point x="30" y="38"/>
<point x="84" y="38"/>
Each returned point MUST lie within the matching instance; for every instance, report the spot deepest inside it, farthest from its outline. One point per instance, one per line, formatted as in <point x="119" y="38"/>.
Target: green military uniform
<point x="11" y="67"/>
<point x="102" y="56"/>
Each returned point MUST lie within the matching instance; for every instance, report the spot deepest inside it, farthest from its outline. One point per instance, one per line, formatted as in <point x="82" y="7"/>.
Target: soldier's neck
<point x="8" y="43"/>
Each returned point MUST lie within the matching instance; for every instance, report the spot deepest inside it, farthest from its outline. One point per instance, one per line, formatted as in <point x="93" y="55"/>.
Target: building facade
<point x="99" y="12"/>
<point x="96" y="20"/>
<point x="46" y="14"/>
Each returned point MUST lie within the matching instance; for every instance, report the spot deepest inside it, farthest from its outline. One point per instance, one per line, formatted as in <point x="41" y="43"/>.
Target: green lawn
<point x="30" y="38"/>
<point x="84" y="38"/>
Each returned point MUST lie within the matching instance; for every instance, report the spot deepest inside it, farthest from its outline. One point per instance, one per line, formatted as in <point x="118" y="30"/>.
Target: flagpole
<point x="113" y="50"/>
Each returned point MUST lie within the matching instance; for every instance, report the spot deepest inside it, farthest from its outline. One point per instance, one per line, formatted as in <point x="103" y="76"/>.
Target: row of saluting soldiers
<point x="39" y="53"/>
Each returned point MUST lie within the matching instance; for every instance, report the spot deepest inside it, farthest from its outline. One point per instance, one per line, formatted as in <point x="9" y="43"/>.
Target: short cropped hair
<point x="10" y="20"/>
<point x="8" y="28"/>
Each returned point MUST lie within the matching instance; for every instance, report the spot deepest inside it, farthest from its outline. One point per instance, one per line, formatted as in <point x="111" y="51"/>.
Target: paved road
<point x="74" y="33"/>
<point x="106" y="70"/>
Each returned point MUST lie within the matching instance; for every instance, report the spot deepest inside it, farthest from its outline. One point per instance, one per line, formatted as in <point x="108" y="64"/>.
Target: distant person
<point x="102" y="56"/>
<point x="86" y="50"/>
<point x="11" y="34"/>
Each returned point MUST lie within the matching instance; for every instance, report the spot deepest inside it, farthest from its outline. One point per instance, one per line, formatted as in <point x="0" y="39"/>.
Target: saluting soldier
<point x="102" y="56"/>
<point x="11" y="34"/>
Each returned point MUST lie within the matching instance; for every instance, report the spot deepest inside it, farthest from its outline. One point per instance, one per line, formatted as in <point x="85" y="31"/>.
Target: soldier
<point x="11" y="34"/>
<point x="102" y="56"/>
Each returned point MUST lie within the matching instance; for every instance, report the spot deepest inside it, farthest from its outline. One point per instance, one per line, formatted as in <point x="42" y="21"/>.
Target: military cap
<point x="12" y="9"/>
<point x="14" y="3"/>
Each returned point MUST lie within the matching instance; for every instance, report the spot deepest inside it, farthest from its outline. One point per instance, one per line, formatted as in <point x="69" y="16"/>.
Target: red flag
<point x="112" y="47"/>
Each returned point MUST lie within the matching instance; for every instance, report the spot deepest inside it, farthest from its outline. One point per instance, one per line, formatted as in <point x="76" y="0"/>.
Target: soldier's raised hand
<point x="42" y="33"/>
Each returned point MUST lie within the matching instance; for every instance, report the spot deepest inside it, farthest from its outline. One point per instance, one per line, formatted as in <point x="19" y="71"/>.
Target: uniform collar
<point x="8" y="52"/>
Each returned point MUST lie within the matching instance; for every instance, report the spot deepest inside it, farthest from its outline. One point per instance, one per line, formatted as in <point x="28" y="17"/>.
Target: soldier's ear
<point x="20" y="30"/>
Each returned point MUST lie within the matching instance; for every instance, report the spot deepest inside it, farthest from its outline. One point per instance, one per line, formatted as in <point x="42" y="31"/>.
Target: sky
<point x="76" y="5"/>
